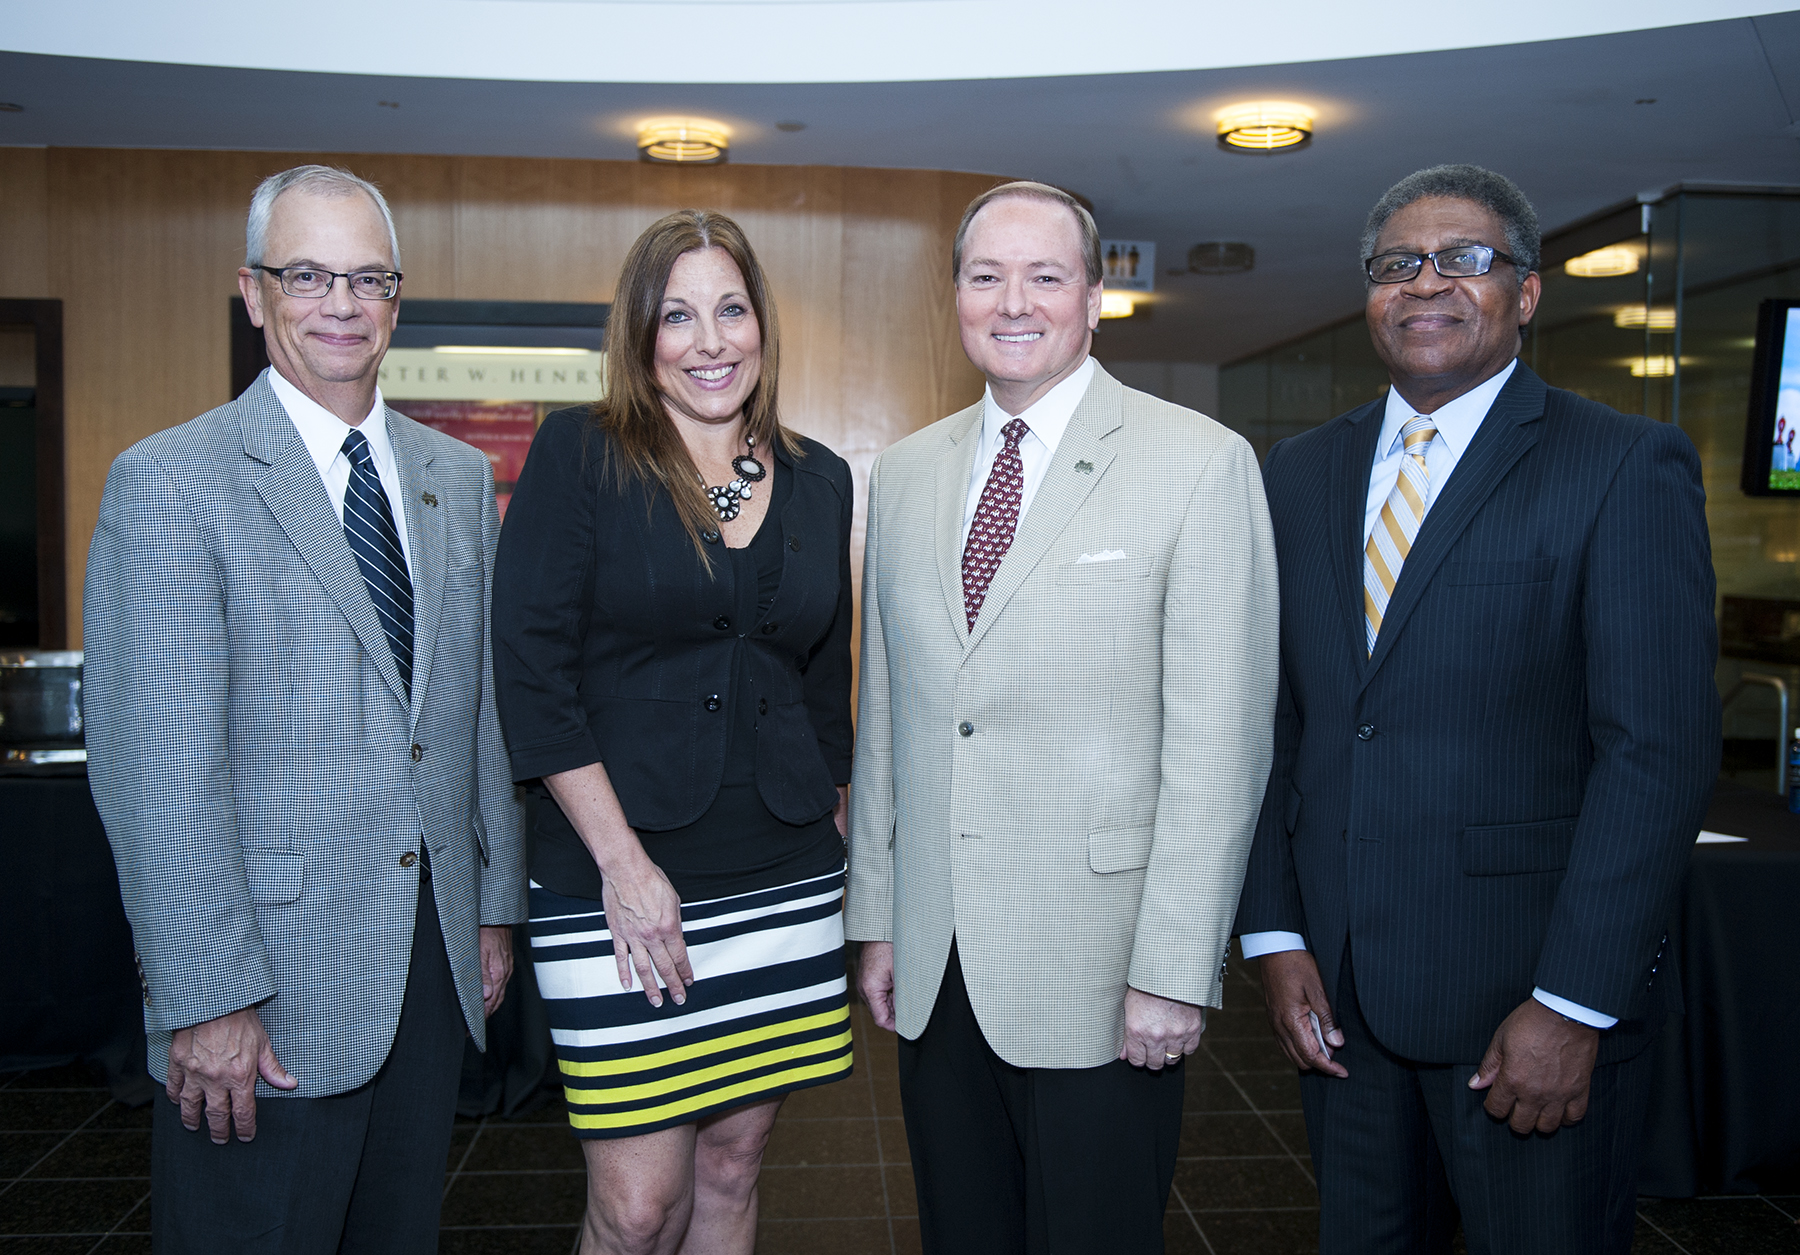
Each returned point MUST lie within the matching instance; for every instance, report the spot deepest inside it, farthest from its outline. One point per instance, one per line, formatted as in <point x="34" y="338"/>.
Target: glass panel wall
<point x="1650" y="309"/>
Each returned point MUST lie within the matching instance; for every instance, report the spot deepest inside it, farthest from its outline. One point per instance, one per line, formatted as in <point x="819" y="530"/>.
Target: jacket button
<point x="710" y="537"/>
<point x="794" y="543"/>
<point x="722" y="623"/>
<point x="418" y="752"/>
<point x="966" y="728"/>
<point x="768" y="629"/>
<point x="713" y="702"/>
<point x="1365" y="732"/>
<point x="762" y="705"/>
<point x="408" y="859"/>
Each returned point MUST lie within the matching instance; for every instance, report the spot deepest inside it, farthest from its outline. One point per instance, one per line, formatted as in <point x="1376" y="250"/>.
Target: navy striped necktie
<point x="369" y="527"/>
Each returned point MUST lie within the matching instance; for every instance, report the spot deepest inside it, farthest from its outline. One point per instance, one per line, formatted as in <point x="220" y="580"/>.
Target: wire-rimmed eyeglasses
<point x="311" y="281"/>
<point x="1465" y="261"/>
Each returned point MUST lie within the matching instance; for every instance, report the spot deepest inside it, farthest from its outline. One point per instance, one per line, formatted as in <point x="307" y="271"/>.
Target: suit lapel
<point x="954" y="466"/>
<point x="1352" y="456"/>
<point x="1505" y="435"/>
<point x="425" y="535"/>
<point x="1059" y="495"/>
<point x="291" y="488"/>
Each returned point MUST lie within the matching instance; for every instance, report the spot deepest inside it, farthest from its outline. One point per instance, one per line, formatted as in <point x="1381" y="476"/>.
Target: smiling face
<point x="708" y="344"/>
<point x="1023" y="300"/>
<point x="330" y="347"/>
<point x="1441" y="337"/>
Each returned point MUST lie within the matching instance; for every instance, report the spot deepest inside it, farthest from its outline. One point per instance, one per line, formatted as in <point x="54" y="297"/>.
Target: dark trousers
<point x="1045" y="1161"/>
<point x="356" y="1172"/>
<point x="1400" y="1147"/>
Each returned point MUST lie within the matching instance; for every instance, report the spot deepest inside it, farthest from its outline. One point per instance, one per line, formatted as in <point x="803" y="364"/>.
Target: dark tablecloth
<point x="1725" y="1111"/>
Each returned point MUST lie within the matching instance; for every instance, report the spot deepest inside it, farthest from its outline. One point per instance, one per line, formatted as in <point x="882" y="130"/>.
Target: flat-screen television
<point x="1772" y="440"/>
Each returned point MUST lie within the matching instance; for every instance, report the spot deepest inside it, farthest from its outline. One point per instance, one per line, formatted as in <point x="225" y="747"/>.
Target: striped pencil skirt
<point x="768" y="1012"/>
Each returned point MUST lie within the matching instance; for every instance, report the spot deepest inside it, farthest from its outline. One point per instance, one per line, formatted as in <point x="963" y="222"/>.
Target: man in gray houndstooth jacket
<point x="1067" y="694"/>
<point x="292" y="742"/>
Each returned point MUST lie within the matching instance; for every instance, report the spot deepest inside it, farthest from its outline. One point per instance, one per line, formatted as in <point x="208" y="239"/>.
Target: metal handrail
<point x="1782" y="733"/>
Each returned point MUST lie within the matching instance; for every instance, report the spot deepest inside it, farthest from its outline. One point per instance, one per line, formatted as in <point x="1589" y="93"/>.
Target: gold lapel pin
<point x="1085" y="467"/>
<point x="428" y="499"/>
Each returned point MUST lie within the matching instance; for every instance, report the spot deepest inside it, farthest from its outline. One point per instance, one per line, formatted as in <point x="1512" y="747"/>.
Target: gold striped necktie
<point x="1394" y="533"/>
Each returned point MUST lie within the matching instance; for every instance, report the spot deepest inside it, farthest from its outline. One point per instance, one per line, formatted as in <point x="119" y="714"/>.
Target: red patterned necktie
<point x="996" y="519"/>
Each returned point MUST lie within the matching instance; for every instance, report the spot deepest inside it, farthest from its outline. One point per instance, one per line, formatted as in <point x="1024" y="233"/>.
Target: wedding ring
<point x="1170" y="1057"/>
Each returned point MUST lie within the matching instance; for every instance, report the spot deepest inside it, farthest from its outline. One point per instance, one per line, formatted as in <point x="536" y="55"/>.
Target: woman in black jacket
<point x="671" y="638"/>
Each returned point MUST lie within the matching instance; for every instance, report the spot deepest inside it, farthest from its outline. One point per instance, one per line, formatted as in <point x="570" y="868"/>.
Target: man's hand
<point x="1294" y="994"/>
<point x="1159" y="1031"/>
<point x="875" y="977"/>
<point x="496" y="964"/>
<point x="1537" y="1068"/>
<point x="213" y="1069"/>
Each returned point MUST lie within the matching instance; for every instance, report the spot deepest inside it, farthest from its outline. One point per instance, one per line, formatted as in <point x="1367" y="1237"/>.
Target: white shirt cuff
<point x="1574" y="1010"/>
<point x="1255" y="945"/>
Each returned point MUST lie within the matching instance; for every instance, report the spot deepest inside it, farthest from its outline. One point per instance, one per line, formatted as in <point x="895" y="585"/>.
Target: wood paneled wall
<point x="142" y="246"/>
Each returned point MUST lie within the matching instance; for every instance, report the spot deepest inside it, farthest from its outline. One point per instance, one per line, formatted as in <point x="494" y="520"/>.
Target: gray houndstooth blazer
<point x="1070" y="790"/>
<point x="255" y="761"/>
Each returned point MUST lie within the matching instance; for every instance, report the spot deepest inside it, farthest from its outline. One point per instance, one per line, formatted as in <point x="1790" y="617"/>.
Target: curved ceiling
<point x="801" y="41"/>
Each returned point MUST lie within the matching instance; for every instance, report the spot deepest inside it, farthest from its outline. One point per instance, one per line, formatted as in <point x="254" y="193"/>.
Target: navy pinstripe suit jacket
<point x="1506" y="793"/>
<point x="252" y="751"/>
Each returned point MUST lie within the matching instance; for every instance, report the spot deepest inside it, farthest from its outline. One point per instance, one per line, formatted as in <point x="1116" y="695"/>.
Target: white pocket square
<point x="1105" y="555"/>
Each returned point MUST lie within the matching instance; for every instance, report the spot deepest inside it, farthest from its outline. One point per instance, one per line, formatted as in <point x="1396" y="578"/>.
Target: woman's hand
<point x="840" y="814"/>
<point x="643" y="913"/>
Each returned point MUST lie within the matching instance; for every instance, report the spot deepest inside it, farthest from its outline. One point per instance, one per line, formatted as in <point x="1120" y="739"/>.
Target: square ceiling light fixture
<point x="1265" y="126"/>
<point x="683" y="141"/>
<point x="1604" y="263"/>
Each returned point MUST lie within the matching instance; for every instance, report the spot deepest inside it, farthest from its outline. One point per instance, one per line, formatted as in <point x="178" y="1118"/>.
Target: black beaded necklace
<point x="728" y="499"/>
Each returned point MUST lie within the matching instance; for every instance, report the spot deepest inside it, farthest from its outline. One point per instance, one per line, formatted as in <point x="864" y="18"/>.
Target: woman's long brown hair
<point x="644" y="444"/>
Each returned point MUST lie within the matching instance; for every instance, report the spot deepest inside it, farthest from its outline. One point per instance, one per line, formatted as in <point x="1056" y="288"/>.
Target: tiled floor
<point x="74" y="1168"/>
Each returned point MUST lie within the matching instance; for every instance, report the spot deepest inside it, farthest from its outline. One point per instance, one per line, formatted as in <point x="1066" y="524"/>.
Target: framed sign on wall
<point x="485" y="372"/>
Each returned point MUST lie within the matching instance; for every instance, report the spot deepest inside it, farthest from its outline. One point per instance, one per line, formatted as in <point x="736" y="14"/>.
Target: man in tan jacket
<point x="1068" y="685"/>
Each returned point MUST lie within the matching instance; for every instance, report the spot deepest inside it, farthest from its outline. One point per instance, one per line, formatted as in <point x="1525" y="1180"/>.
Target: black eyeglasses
<point x="310" y="281"/>
<point x="1465" y="261"/>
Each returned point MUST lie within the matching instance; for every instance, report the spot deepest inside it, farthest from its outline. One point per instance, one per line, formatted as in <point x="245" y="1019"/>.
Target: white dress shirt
<point x="324" y="434"/>
<point x="1457" y="422"/>
<point x="1048" y="417"/>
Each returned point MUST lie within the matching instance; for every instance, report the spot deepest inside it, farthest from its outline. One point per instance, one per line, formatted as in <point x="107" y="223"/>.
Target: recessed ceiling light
<point x="1654" y="367"/>
<point x="1265" y="126"/>
<point x="1604" y="263"/>
<point x="1655" y="318"/>
<point x="683" y="141"/>
<point x="1117" y="305"/>
<point x="790" y="127"/>
<point x="1221" y="258"/>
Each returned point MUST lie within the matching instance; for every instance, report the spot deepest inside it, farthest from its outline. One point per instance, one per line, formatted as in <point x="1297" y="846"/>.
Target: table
<point x="1725" y="1110"/>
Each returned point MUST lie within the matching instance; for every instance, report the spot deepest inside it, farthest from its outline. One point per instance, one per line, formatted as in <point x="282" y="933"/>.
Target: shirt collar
<point x="324" y="431"/>
<point x="1456" y="421"/>
<point x="1048" y="416"/>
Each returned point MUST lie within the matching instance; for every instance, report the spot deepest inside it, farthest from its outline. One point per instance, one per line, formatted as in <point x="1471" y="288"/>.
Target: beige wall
<point x="142" y="247"/>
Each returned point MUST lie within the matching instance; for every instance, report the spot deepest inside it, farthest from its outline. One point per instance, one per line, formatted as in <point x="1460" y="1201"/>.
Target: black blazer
<point x="612" y="644"/>
<point x="1506" y="794"/>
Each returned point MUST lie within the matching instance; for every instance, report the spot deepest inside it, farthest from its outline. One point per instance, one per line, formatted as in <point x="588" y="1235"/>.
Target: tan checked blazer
<point x="1070" y="790"/>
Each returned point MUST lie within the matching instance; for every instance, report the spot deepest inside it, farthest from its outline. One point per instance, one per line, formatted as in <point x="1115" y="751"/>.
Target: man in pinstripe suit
<point x="292" y="742"/>
<point x="1497" y="736"/>
<point x="1066" y="696"/>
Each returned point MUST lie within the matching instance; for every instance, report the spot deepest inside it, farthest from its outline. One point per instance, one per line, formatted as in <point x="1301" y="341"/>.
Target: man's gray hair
<point x="320" y="181"/>
<point x="1090" y="234"/>
<point x="1493" y="192"/>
